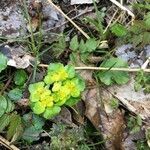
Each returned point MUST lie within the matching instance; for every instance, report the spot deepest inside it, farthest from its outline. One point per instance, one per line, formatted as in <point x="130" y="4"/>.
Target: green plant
<point x="15" y="94"/>
<point x="137" y="34"/>
<point x="114" y="103"/>
<point x="10" y="119"/>
<point x="148" y="136"/>
<point x="61" y="86"/>
<point x="142" y="81"/>
<point x="20" y="77"/>
<point x="119" y="30"/>
<point x="3" y="62"/>
<point x="110" y="77"/>
<point x="33" y="127"/>
<point x="134" y="124"/>
<point x="59" y="46"/>
<point x="83" y="49"/>
<point x="67" y="138"/>
<point x="98" y="21"/>
<point x="142" y="145"/>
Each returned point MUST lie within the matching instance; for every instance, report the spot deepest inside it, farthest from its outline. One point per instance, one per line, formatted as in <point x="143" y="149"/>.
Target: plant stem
<point x="104" y="68"/>
<point x="75" y="25"/>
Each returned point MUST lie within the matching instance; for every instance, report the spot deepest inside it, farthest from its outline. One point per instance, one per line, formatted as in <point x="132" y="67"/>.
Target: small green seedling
<point x="134" y="124"/>
<point x="61" y="86"/>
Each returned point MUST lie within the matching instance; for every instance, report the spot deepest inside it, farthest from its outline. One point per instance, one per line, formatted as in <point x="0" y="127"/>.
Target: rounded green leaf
<point x="55" y="67"/>
<point x="74" y="44"/>
<point x="70" y="70"/>
<point x="72" y="101"/>
<point x="50" y="112"/>
<point x="33" y="87"/>
<point x="38" y="108"/>
<point x="10" y="106"/>
<point x="20" y="77"/>
<point x="3" y="62"/>
<point x="56" y="86"/>
<point x="15" y="94"/>
<point x="119" y="30"/>
<point x="75" y="93"/>
<point x="109" y="77"/>
<point x="3" y="105"/>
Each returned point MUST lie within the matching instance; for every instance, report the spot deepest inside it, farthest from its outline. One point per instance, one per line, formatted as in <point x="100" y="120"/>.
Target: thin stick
<point x="144" y="66"/>
<point x="7" y="144"/>
<point x="103" y="68"/>
<point x="110" y="21"/>
<point x="123" y="8"/>
<point x="74" y="24"/>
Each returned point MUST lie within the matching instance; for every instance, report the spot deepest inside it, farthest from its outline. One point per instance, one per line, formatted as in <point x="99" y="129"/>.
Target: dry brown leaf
<point x="92" y="107"/>
<point x="65" y="117"/>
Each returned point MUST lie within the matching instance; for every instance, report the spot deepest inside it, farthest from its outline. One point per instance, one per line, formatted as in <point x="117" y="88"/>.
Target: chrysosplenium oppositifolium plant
<point x="61" y="86"/>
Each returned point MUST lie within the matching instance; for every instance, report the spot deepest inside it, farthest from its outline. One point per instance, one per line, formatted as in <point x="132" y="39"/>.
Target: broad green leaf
<point x="34" y="124"/>
<point x="35" y="86"/>
<point x="15" y="94"/>
<point x="54" y="67"/>
<point x="91" y="45"/>
<point x="59" y="46"/>
<point x="31" y="134"/>
<point x="3" y="62"/>
<point x="79" y="82"/>
<point x="147" y="19"/>
<point x="10" y="106"/>
<point x="82" y="46"/>
<point x="3" y="105"/>
<point x="20" y="77"/>
<point x="14" y="126"/>
<point x="72" y="101"/>
<point x="51" y="112"/>
<point x="33" y="120"/>
<point x="74" y="44"/>
<point x="75" y="93"/>
<point x="70" y="70"/>
<point x="56" y="86"/>
<point x="119" y="30"/>
<point x="4" y="121"/>
<point x="38" y="108"/>
<point x="109" y="77"/>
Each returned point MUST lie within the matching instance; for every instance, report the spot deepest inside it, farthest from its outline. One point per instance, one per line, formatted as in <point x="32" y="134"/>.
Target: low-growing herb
<point x="61" y="86"/>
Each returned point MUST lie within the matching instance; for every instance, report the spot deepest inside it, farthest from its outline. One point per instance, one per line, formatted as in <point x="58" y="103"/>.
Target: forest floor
<point x="75" y="75"/>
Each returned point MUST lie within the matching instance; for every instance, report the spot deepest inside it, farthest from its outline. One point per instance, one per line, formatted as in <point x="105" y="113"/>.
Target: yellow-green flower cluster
<point x="61" y="86"/>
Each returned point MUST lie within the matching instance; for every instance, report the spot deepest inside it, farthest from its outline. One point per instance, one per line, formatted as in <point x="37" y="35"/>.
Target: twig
<point x="110" y="21"/>
<point x="123" y="8"/>
<point x="144" y="66"/>
<point x="6" y="85"/>
<point x="104" y="68"/>
<point x="75" y="25"/>
<point x="7" y="144"/>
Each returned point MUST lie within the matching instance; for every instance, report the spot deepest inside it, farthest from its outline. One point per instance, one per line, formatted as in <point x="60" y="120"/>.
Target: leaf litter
<point x="97" y="107"/>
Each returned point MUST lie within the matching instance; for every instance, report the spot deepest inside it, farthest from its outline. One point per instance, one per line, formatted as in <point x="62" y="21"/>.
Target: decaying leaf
<point x="136" y="102"/>
<point x="16" y="57"/>
<point x="92" y="112"/>
<point x="64" y="117"/>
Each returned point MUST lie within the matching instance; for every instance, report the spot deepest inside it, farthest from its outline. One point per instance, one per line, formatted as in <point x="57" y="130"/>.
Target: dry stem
<point x="74" y="24"/>
<point x="104" y="68"/>
<point x="7" y="144"/>
<point x="123" y="8"/>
